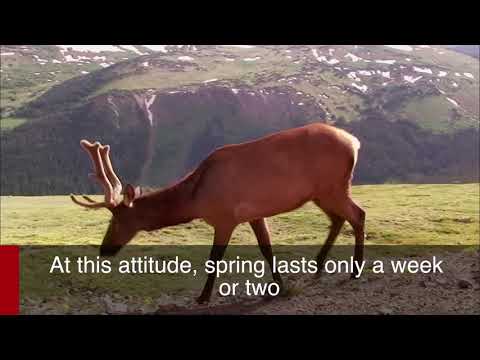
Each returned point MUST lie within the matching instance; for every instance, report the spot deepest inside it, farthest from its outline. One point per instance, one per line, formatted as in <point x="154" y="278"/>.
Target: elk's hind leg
<point x="335" y="227"/>
<point x="260" y="229"/>
<point x="357" y="220"/>
<point x="220" y="242"/>
<point x="348" y="210"/>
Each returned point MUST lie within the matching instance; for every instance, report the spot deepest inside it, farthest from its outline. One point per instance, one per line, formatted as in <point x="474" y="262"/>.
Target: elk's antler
<point x="104" y="174"/>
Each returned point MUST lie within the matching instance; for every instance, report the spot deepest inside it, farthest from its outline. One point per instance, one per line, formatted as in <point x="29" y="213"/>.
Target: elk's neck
<point x="167" y="207"/>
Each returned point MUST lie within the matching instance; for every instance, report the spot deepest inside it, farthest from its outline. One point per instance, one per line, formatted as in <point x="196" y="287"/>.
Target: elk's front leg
<point x="220" y="242"/>
<point x="262" y="234"/>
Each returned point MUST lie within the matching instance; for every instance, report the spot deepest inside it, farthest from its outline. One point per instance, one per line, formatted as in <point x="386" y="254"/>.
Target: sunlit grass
<point x="396" y="214"/>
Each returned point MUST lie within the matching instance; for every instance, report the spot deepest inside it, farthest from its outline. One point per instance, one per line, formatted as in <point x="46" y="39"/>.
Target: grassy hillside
<point x="396" y="214"/>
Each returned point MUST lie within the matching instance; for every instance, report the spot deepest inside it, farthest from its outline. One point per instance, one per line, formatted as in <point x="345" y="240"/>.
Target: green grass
<point x="396" y="214"/>
<point x="433" y="113"/>
<point x="10" y="123"/>
<point x="226" y="71"/>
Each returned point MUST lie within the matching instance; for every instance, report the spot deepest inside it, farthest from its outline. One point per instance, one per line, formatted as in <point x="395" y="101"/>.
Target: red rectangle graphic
<point x="9" y="280"/>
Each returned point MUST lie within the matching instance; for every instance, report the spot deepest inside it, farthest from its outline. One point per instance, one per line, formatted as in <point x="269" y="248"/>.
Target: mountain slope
<point x="472" y="50"/>
<point x="27" y="71"/>
<point x="414" y="108"/>
<point x="342" y="79"/>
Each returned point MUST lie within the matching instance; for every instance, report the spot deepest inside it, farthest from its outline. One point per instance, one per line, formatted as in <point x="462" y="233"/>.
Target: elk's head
<point x="124" y="223"/>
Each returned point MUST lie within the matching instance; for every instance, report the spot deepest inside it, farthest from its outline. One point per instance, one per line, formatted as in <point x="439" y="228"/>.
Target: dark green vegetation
<point x="417" y="118"/>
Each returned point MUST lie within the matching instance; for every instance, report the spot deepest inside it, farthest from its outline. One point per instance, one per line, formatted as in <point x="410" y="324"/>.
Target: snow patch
<point x="422" y="70"/>
<point x="353" y="57"/>
<point x="411" y="79"/>
<point x="240" y="46"/>
<point x="70" y="58"/>
<point x="452" y="101"/>
<point x="442" y="73"/>
<point x="454" y="84"/>
<point x="55" y="61"/>
<point x="145" y="64"/>
<point x="91" y="48"/>
<point x="323" y="58"/>
<point x="209" y="81"/>
<point x="39" y="60"/>
<point x="114" y="107"/>
<point x="7" y="53"/>
<point x="229" y="59"/>
<point x="390" y="62"/>
<point x="149" y="103"/>
<point x="362" y="88"/>
<point x="235" y="91"/>
<point x="315" y="54"/>
<point x="333" y="61"/>
<point x="352" y="75"/>
<point x="468" y="75"/>
<point x="400" y="47"/>
<point x="104" y="65"/>
<point x="365" y="72"/>
<point x="85" y="72"/>
<point x="252" y="59"/>
<point x="185" y="58"/>
<point x="161" y="48"/>
<point x="386" y="74"/>
<point x="132" y="48"/>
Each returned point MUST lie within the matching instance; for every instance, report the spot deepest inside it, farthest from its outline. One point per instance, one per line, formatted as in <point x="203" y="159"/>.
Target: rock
<point x="441" y="281"/>
<point x="385" y="311"/>
<point x="464" y="284"/>
<point x="394" y="293"/>
<point x="114" y="308"/>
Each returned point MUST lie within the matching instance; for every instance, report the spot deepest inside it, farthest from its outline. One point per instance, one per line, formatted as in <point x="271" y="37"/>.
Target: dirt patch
<point x="456" y="291"/>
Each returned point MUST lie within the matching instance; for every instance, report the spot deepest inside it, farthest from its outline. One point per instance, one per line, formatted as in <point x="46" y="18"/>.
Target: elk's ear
<point x="131" y="193"/>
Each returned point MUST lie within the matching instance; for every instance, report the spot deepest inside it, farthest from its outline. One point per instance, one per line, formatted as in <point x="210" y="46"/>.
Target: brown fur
<point x="251" y="181"/>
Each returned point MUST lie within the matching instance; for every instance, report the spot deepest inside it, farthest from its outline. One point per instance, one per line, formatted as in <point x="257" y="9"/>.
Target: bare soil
<point x="456" y="291"/>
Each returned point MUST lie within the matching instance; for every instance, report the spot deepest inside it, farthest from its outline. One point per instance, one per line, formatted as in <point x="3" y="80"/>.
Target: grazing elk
<point x="241" y="183"/>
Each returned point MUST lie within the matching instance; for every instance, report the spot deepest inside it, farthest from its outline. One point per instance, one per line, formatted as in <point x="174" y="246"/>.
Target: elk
<point x="239" y="183"/>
